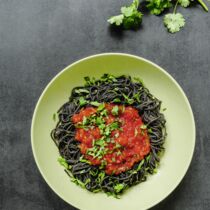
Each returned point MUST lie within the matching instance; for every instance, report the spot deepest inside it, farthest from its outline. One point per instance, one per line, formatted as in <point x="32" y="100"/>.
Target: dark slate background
<point x="38" y="38"/>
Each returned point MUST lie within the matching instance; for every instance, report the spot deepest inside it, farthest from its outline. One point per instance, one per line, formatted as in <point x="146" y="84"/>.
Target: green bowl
<point x="179" y="145"/>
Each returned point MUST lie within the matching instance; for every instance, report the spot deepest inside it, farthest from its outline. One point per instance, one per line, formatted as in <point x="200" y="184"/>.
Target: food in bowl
<point x="110" y="134"/>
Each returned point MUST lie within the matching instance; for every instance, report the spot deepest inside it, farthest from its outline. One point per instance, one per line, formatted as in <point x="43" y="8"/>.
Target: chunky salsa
<point x="111" y="136"/>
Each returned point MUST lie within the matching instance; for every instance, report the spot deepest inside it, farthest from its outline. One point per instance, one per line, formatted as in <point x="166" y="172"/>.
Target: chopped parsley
<point x="82" y="101"/>
<point x="115" y="110"/>
<point x="63" y="162"/>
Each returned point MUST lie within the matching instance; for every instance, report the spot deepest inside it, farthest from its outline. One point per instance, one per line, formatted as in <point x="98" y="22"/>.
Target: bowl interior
<point x="179" y="144"/>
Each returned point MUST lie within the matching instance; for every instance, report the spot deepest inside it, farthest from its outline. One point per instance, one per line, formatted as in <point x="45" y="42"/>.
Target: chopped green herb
<point x="139" y="80"/>
<point x="150" y="130"/>
<point x="81" y="91"/>
<point x="119" y="153"/>
<point x="127" y="99"/>
<point x="94" y="173"/>
<point x="118" y="187"/>
<point x="113" y="159"/>
<point x="116" y="135"/>
<point x="136" y="132"/>
<point x="117" y="100"/>
<point x="104" y="113"/>
<point x="84" y="121"/>
<point x="95" y="103"/>
<point x="99" y="121"/>
<point x="101" y="107"/>
<point x="63" y="162"/>
<point x="140" y="165"/>
<point x="82" y="101"/>
<point x="115" y="110"/>
<point x="123" y="109"/>
<point x="84" y="160"/>
<point x="143" y="127"/>
<point x="164" y="109"/>
<point x="89" y="81"/>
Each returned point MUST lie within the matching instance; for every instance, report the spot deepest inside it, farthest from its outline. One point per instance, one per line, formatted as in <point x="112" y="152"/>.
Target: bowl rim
<point x="131" y="56"/>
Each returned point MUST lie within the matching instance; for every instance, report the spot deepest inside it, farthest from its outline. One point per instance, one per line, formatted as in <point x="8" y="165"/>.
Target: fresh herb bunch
<point x="131" y="17"/>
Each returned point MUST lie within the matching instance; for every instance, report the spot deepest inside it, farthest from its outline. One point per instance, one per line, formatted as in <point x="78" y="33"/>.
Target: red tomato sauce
<point x="132" y="138"/>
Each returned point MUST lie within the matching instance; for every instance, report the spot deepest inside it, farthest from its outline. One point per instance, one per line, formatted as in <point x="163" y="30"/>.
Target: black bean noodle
<point x="108" y="89"/>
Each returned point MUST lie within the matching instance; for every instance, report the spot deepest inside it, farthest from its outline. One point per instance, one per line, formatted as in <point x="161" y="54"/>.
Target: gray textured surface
<point x="38" y="38"/>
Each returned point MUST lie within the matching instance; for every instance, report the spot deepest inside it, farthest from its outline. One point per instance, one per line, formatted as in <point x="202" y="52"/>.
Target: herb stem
<point x="203" y="5"/>
<point x="175" y="6"/>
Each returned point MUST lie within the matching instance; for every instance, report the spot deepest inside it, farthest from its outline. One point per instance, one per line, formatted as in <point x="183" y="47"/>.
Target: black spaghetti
<point x="94" y="168"/>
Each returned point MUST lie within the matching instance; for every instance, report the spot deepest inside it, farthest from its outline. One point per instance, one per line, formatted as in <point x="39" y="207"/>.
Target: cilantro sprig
<point x="131" y="17"/>
<point x="174" y="21"/>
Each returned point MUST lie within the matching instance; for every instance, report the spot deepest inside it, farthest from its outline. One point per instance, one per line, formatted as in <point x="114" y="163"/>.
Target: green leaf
<point x="116" y="20"/>
<point x="99" y="121"/>
<point x="82" y="101"/>
<point x="140" y="165"/>
<point x="114" y="125"/>
<point x="117" y="100"/>
<point x="84" y="121"/>
<point x="63" y="162"/>
<point x="139" y="80"/>
<point x="136" y="132"/>
<point x="127" y="99"/>
<point x="184" y="3"/>
<point x="143" y="127"/>
<point x="81" y="91"/>
<point x="83" y="160"/>
<point x="101" y="107"/>
<point x="115" y="110"/>
<point x="119" y="187"/>
<point x="95" y="103"/>
<point x="89" y="81"/>
<point x="174" y="22"/>
<point x="127" y="11"/>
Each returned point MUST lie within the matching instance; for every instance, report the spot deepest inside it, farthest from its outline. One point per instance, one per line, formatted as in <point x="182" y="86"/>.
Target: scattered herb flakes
<point x="101" y="107"/>
<point x="140" y="165"/>
<point x="116" y="100"/>
<point x="136" y="132"/>
<point x="119" y="187"/>
<point x="143" y="127"/>
<point x="81" y="91"/>
<point x="127" y="99"/>
<point x="95" y="103"/>
<point x="82" y="101"/>
<point x="63" y="162"/>
<point x="115" y="110"/>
